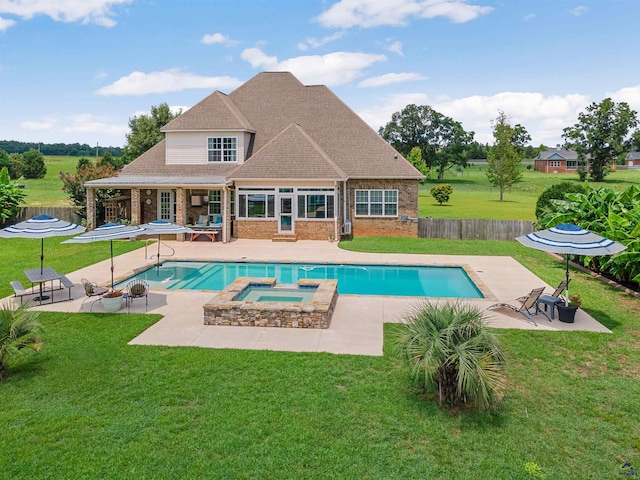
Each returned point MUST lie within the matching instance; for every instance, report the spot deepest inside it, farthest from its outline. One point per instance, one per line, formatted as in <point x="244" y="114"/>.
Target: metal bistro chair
<point x="91" y="289"/>
<point x="138" y="289"/>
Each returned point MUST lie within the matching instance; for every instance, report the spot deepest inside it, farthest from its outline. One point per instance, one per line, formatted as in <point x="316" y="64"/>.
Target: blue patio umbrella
<point x="41" y="226"/>
<point x="111" y="232"/>
<point x="569" y="239"/>
<point x="162" y="227"/>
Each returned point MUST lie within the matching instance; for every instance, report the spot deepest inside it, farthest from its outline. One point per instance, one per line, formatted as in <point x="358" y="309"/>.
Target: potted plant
<point x="112" y="300"/>
<point x="567" y="313"/>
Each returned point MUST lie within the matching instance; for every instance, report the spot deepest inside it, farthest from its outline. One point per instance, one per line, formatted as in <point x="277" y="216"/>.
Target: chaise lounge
<point x="526" y="304"/>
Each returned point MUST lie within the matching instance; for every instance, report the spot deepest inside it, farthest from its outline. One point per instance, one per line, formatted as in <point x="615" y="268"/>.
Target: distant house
<point x="556" y="160"/>
<point x="632" y="160"/>
<point x="272" y="159"/>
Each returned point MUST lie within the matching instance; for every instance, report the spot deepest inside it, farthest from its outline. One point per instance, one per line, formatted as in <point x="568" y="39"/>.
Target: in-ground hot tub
<point x="260" y="302"/>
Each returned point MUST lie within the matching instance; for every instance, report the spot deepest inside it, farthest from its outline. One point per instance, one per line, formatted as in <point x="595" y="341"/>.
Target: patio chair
<point x="217" y="222"/>
<point x="203" y="221"/>
<point x="19" y="291"/>
<point x="554" y="299"/>
<point x="137" y="289"/>
<point x="91" y="289"/>
<point x="526" y="304"/>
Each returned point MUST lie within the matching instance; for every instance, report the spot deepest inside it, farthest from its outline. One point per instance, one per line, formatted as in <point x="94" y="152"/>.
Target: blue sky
<point x="77" y="70"/>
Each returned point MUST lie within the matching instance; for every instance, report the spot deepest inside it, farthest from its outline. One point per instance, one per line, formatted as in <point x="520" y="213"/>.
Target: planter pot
<point x="566" y="314"/>
<point x="112" y="304"/>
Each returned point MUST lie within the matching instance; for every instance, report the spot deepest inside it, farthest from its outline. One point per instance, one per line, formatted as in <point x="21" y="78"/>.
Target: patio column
<point x="91" y="208"/>
<point x="135" y="206"/>
<point x="181" y="211"/>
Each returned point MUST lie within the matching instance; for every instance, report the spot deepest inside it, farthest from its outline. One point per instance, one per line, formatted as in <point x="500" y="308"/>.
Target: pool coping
<point x="484" y="290"/>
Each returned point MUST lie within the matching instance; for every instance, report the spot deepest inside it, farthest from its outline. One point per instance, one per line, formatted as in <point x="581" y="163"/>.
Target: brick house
<point x="556" y="160"/>
<point x="632" y="160"/>
<point x="272" y="159"/>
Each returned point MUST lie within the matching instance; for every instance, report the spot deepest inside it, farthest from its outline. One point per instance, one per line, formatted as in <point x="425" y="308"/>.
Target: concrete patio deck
<point x="357" y="322"/>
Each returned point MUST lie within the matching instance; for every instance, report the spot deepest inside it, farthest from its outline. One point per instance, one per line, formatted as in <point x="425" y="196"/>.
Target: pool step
<point x="284" y="237"/>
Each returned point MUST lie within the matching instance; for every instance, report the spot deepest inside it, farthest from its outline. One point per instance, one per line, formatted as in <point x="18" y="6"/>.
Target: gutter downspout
<point x="224" y="216"/>
<point x="344" y="200"/>
<point x="335" y="217"/>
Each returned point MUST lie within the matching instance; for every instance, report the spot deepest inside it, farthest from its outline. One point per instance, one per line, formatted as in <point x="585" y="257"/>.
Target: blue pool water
<point x="394" y="280"/>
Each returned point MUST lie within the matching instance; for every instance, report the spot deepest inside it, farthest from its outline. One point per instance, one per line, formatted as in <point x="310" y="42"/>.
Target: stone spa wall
<point x="317" y="313"/>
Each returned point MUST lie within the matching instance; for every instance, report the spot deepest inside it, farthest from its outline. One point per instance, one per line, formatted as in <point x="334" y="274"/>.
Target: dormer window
<point x="222" y="149"/>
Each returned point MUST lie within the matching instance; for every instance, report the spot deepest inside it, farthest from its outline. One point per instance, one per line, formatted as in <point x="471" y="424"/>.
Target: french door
<point x="167" y="205"/>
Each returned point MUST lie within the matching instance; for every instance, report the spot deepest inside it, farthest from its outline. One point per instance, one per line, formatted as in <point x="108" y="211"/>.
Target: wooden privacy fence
<point x="473" y="229"/>
<point x="63" y="213"/>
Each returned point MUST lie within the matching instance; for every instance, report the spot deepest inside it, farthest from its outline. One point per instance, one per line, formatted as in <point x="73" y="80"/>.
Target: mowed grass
<point x="474" y="197"/>
<point x="47" y="191"/>
<point x="91" y="406"/>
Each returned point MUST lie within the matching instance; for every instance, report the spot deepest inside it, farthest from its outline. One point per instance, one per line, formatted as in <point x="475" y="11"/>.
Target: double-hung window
<point x="215" y="202"/>
<point x="376" y="203"/>
<point x="316" y="203"/>
<point x="222" y="149"/>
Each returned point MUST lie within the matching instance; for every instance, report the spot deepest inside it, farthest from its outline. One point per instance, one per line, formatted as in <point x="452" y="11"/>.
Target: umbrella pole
<point x="158" y="260"/>
<point x="41" y="255"/>
<point x="566" y="297"/>
<point x="111" y="242"/>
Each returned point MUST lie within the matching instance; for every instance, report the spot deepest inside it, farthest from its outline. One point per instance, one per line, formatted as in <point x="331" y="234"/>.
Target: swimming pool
<point x="393" y="280"/>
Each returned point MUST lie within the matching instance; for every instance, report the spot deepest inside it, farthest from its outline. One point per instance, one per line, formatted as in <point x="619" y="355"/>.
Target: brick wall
<point x="314" y="230"/>
<point x="257" y="229"/>
<point x="149" y="211"/>
<point x="381" y="226"/>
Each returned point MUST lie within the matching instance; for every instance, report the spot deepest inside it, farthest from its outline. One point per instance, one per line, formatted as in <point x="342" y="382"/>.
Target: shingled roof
<point x="306" y="161"/>
<point x="302" y="132"/>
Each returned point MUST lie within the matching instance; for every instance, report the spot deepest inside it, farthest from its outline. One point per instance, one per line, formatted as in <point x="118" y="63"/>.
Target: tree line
<point x="70" y="149"/>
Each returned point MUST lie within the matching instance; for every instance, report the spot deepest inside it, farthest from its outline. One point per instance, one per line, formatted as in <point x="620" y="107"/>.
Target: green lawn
<point x="90" y="406"/>
<point x="474" y="197"/>
<point x="47" y="191"/>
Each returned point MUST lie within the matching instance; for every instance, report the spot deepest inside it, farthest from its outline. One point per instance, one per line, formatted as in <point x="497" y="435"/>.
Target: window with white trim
<point x="316" y="203"/>
<point x="572" y="164"/>
<point x="222" y="149"/>
<point x="555" y="163"/>
<point x="376" y="203"/>
<point x="256" y="203"/>
<point x="215" y="202"/>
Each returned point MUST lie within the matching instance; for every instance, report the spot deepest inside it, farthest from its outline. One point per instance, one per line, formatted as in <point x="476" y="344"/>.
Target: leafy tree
<point x="442" y="192"/>
<point x="33" y="164"/>
<point x="556" y="192"/>
<point x="11" y="197"/>
<point x="503" y="158"/>
<point x="108" y="159"/>
<point x="635" y="141"/>
<point x="145" y="131"/>
<point x="73" y="184"/>
<point x="442" y="140"/>
<point x="19" y="330"/>
<point x="415" y="158"/>
<point x="449" y="350"/>
<point x="601" y="135"/>
<point x="5" y="161"/>
<point x="15" y="166"/>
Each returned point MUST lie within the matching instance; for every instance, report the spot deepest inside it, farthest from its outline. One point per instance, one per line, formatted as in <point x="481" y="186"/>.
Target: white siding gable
<point x="190" y="148"/>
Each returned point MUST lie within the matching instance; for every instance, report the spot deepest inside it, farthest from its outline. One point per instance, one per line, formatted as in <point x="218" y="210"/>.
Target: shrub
<point x="19" y="329"/>
<point x="556" y="192"/>
<point x="33" y="164"/>
<point x="442" y="192"/>
<point x="450" y="351"/>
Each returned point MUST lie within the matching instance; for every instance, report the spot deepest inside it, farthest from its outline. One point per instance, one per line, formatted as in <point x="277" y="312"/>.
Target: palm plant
<point x="19" y="329"/>
<point x="450" y="350"/>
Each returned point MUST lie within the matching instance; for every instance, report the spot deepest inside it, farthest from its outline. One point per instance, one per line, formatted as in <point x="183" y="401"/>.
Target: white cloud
<point x="80" y="123"/>
<point x="172" y="80"/>
<point x="630" y="95"/>
<point x="544" y="117"/>
<point x="373" y="13"/>
<point x="209" y="39"/>
<point x="389" y="79"/>
<point x="529" y="17"/>
<point x="315" y="42"/>
<point x="332" y="69"/>
<point x="579" y="10"/>
<point x="87" y="11"/>
<point x="6" y="23"/>
<point x="395" y="47"/>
